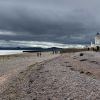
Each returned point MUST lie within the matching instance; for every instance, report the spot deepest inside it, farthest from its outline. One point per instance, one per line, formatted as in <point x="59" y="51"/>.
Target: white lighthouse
<point x="97" y="42"/>
<point x="97" y="39"/>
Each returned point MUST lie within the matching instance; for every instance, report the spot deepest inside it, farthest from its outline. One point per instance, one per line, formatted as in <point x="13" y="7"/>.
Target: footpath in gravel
<point x="56" y="79"/>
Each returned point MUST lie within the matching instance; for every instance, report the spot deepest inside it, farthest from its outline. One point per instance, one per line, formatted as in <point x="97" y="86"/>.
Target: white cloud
<point x="7" y="33"/>
<point x="12" y="43"/>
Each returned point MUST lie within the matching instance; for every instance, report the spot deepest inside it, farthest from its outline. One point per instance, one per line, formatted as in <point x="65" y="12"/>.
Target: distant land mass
<point x="30" y="48"/>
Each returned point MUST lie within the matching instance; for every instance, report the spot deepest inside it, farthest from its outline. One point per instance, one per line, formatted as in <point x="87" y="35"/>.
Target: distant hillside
<point x="30" y="48"/>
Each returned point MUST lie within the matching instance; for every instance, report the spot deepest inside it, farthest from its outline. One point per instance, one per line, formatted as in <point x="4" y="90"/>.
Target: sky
<point x="51" y="21"/>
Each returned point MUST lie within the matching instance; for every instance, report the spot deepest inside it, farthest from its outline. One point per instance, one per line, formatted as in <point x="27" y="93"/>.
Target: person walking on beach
<point x="53" y="52"/>
<point x="40" y="54"/>
<point x="37" y="54"/>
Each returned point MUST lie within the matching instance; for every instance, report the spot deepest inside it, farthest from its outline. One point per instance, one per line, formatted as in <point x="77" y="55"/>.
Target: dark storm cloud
<point x="65" y="21"/>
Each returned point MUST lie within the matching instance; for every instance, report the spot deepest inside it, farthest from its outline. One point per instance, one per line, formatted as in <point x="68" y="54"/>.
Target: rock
<point x="81" y="54"/>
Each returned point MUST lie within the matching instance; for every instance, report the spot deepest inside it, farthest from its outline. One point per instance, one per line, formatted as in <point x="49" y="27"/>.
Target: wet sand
<point x="64" y="77"/>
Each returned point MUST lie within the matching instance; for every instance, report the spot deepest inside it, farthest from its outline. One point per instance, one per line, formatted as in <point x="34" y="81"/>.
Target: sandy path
<point x="12" y="65"/>
<point x="56" y="79"/>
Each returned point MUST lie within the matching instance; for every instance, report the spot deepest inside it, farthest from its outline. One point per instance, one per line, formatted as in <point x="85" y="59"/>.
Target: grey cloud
<point x="64" y="21"/>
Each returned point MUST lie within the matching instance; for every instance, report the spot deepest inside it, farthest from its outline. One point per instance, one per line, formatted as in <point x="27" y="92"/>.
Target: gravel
<point x="52" y="80"/>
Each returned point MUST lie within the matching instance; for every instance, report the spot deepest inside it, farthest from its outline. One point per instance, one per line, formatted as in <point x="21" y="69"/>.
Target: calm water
<point x="9" y="52"/>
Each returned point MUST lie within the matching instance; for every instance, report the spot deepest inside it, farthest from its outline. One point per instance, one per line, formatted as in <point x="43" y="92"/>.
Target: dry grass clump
<point x="72" y="50"/>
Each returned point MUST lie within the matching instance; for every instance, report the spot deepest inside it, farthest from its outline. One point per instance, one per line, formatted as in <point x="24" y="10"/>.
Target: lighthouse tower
<point x="97" y="39"/>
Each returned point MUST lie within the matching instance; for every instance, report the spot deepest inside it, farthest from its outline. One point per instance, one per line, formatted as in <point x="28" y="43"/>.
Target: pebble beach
<point x="68" y="76"/>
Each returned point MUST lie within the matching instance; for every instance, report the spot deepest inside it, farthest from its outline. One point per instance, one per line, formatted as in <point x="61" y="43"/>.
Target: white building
<point x="97" y="39"/>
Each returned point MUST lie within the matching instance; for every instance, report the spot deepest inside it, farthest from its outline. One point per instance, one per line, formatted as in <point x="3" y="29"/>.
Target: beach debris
<point x="31" y="81"/>
<point x="74" y="58"/>
<point x="88" y="73"/>
<point x="49" y="99"/>
<point x="95" y="62"/>
<point x="34" y="99"/>
<point x="81" y="72"/>
<point x="83" y="59"/>
<point x="68" y="66"/>
<point x="21" y="72"/>
<point x="66" y="62"/>
<point x="81" y="54"/>
<point x="64" y="71"/>
<point x="72" y="69"/>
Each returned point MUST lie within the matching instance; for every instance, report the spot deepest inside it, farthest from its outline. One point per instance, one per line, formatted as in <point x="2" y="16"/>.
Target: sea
<point x="10" y="52"/>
